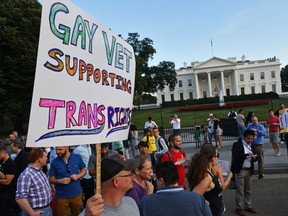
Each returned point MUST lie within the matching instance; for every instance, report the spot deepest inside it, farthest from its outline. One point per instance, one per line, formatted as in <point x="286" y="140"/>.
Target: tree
<point x="19" y="35"/>
<point x="284" y="78"/>
<point x="149" y="79"/>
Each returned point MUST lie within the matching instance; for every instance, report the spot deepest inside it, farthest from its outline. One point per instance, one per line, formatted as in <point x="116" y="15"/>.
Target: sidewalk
<point x="272" y="164"/>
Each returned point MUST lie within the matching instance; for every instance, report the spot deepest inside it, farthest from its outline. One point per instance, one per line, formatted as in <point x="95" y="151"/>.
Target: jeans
<point x="44" y="211"/>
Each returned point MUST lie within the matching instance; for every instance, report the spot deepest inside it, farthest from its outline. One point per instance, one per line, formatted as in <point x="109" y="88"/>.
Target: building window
<point x="189" y="82"/>
<point x="262" y="75"/>
<point x="180" y="83"/>
<point x="273" y="87"/>
<point x="190" y="95"/>
<point x="181" y="96"/>
<point x="242" y="90"/>
<point x="163" y="98"/>
<point x="272" y="74"/>
<point x="172" y="97"/>
<point x="251" y="76"/>
<point x="263" y="88"/>
<point x="252" y="89"/>
<point x="242" y="77"/>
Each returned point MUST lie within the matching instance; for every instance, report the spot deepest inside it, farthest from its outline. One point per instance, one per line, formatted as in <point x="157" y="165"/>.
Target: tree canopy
<point x="149" y="79"/>
<point x="284" y="78"/>
<point x="19" y="35"/>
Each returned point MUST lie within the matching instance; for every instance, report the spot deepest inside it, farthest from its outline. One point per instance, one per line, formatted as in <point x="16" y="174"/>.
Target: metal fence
<point x="187" y="134"/>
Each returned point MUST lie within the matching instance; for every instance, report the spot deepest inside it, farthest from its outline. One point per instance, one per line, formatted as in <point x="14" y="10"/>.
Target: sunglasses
<point x="67" y="167"/>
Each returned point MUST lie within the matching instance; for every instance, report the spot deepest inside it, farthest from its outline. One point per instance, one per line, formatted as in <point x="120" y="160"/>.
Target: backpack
<point x="166" y="142"/>
<point x="159" y="158"/>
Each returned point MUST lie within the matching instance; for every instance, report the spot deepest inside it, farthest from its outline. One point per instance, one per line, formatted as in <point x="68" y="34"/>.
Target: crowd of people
<point x="137" y="178"/>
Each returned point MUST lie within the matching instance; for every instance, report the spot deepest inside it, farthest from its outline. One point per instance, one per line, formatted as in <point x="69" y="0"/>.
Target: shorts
<point x="210" y="135"/>
<point x="273" y="136"/>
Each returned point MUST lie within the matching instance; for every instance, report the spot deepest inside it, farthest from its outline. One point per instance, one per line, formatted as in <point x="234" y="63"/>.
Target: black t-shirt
<point x="7" y="168"/>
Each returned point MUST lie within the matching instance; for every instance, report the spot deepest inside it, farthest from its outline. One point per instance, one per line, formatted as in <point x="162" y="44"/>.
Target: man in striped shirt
<point x="33" y="190"/>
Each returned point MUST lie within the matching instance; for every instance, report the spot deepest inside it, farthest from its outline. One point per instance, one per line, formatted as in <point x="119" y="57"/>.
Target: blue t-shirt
<point x="59" y="170"/>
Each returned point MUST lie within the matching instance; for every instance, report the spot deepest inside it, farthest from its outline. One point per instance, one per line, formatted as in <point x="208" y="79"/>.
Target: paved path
<point x="269" y="195"/>
<point x="272" y="164"/>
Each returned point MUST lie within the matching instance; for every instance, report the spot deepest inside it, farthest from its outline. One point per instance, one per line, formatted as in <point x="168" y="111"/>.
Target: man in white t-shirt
<point x="175" y="121"/>
<point x="150" y="124"/>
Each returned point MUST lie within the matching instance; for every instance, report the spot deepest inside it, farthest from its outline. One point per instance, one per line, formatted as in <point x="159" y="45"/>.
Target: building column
<point x="196" y="86"/>
<point x="209" y="84"/>
<point x="235" y="84"/>
<point x="222" y="83"/>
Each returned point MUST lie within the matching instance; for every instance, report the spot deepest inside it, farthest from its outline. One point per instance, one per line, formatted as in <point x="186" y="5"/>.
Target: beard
<point x="177" y="146"/>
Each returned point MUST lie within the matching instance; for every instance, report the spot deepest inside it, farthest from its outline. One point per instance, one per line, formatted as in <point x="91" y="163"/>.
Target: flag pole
<point x="212" y="47"/>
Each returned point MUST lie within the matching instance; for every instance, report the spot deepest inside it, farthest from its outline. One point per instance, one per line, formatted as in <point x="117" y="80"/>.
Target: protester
<point x="198" y="178"/>
<point x="161" y="146"/>
<point x="217" y="171"/>
<point x="150" y="124"/>
<point x="203" y="181"/>
<point x="258" y="143"/>
<point x="94" y="206"/>
<point x="133" y="139"/>
<point x="172" y="199"/>
<point x="178" y="156"/>
<point x="273" y="123"/>
<point x="116" y="180"/>
<point x="7" y="182"/>
<point x="105" y="152"/>
<point x="150" y="139"/>
<point x="65" y="173"/>
<point x="243" y="158"/>
<point x="87" y="182"/>
<point x="20" y="162"/>
<point x="176" y="124"/>
<point x="33" y="190"/>
<point x="141" y="184"/>
<point x="118" y="146"/>
<point x="241" y="122"/>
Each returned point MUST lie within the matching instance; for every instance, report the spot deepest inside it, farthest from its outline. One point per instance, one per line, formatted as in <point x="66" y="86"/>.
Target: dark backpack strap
<point x="159" y="143"/>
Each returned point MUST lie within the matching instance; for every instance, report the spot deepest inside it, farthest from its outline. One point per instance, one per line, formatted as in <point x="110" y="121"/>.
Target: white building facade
<point x="231" y="77"/>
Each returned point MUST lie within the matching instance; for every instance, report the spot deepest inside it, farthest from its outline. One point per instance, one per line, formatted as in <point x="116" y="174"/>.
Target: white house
<point x="232" y="77"/>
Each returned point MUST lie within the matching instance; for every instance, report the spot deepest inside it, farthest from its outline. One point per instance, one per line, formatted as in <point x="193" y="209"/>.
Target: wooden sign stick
<point x="98" y="168"/>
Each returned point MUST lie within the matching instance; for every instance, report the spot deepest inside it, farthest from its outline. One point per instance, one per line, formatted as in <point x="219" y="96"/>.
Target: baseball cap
<point x="211" y="114"/>
<point x="111" y="166"/>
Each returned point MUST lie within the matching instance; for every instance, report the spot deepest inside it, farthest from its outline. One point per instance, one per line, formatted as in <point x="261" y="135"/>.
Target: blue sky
<point x="182" y="30"/>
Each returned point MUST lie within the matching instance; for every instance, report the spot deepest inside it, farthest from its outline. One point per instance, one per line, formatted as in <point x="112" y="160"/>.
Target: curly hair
<point x="199" y="165"/>
<point x="197" y="170"/>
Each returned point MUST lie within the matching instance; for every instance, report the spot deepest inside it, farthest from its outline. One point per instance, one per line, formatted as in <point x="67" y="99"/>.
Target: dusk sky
<point x="182" y="30"/>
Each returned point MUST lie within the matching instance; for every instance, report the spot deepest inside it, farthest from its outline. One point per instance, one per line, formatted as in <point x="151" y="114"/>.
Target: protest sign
<point x="224" y="166"/>
<point x="84" y="81"/>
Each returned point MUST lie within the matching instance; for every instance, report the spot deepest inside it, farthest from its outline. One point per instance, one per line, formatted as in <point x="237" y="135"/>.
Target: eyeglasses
<point x="217" y="155"/>
<point x="67" y="167"/>
<point x="128" y="175"/>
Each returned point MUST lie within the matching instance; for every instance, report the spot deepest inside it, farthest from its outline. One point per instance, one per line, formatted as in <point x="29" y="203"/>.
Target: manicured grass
<point x="192" y="118"/>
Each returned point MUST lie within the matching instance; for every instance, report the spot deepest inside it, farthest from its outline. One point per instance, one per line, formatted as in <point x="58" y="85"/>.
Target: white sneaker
<point x="277" y="155"/>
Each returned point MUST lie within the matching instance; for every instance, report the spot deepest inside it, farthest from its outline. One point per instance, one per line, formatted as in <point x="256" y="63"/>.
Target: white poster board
<point x="224" y="166"/>
<point x="84" y="81"/>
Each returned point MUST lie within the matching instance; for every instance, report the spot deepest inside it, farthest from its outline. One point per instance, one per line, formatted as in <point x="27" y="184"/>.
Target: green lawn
<point x="192" y="118"/>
